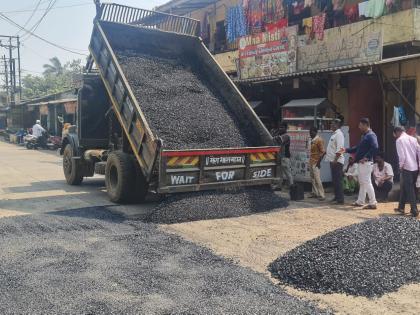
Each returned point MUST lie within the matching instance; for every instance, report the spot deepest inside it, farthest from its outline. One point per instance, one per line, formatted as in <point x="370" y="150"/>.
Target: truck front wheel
<point x="120" y="178"/>
<point x="71" y="168"/>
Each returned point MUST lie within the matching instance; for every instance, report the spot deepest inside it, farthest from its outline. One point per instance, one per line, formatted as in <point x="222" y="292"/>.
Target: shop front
<point x="348" y="74"/>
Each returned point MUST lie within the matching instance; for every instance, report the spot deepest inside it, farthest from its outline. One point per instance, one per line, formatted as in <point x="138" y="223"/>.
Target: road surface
<point x="67" y="250"/>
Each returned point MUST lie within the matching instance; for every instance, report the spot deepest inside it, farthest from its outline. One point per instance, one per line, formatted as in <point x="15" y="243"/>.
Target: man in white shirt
<point x="408" y="151"/>
<point x="383" y="177"/>
<point x="336" y="159"/>
<point x="37" y="129"/>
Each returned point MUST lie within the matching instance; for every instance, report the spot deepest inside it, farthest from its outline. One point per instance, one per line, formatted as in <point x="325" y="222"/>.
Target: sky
<point x="68" y="24"/>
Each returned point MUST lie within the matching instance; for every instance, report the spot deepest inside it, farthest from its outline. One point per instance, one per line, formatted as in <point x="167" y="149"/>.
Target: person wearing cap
<point x="336" y="159"/>
<point x="37" y="129"/>
<point x="365" y="153"/>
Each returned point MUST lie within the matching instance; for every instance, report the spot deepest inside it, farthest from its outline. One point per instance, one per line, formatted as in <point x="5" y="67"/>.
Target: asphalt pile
<point x="180" y="104"/>
<point x="367" y="259"/>
<point x="207" y="205"/>
<point x="93" y="261"/>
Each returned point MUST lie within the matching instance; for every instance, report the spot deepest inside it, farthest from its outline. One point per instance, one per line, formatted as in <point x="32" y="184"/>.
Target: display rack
<point x="304" y="113"/>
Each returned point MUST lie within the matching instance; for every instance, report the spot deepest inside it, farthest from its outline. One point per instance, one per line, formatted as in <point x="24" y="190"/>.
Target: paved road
<point x="32" y="182"/>
<point x="63" y="252"/>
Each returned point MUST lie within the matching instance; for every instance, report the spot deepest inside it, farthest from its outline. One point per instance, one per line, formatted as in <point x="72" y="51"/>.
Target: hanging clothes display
<point x="253" y="12"/>
<point x="362" y="8"/>
<point x="351" y="11"/>
<point x="307" y="26"/>
<point x="235" y="23"/>
<point x="375" y="8"/>
<point x="399" y="119"/>
<point x="279" y="24"/>
<point x="339" y="19"/>
<point x="318" y="25"/>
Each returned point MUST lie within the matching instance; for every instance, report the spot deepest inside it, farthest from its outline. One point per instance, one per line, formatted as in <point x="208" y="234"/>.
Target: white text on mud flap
<point x="262" y="174"/>
<point x="225" y="176"/>
<point x="181" y="180"/>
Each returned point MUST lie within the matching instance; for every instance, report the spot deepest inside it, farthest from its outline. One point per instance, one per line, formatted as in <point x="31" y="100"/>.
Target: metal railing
<point x="112" y="12"/>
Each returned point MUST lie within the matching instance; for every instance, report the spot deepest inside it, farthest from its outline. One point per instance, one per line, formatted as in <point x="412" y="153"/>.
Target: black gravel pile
<point x="180" y="104"/>
<point x="367" y="259"/>
<point x="92" y="261"/>
<point x="207" y="205"/>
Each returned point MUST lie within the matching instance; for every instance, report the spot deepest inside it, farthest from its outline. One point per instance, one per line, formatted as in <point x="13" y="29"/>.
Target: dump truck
<point x="114" y="137"/>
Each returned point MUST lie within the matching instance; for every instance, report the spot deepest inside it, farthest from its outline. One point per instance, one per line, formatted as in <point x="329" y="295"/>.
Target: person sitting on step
<point x="382" y="177"/>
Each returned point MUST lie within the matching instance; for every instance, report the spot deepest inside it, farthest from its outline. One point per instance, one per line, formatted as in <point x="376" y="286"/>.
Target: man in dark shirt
<point x="282" y="139"/>
<point x="365" y="152"/>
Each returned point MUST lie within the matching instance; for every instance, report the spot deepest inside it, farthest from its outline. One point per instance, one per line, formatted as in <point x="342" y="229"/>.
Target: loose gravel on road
<point x="180" y="105"/>
<point x="92" y="261"/>
<point x="367" y="259"/>
<point x="206" y="205"/>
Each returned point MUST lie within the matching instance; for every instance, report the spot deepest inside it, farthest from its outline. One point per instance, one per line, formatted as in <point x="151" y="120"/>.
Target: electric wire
<point x="36" y="25"/>
<point x="71" y="50"/>
<point x="31" y="16"/>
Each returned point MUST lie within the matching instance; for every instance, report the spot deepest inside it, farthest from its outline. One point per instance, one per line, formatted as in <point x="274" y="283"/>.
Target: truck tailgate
<point x="195" y="170"/>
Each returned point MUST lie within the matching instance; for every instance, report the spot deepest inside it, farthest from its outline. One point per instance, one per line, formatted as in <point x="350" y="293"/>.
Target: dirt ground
<point x="255" y="241"/>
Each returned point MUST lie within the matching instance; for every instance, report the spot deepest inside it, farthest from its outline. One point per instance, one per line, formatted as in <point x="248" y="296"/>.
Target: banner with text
<point x="268" y="54"/>
<point x="339" y="50"/>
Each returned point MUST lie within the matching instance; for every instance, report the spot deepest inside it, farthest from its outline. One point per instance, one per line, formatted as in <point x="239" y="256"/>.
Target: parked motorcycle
<point x="44" y="142"/>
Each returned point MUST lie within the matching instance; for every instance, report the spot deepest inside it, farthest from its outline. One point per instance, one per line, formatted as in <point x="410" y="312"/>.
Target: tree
<point x="55" y="79"/>
<point x="54" y="68"/>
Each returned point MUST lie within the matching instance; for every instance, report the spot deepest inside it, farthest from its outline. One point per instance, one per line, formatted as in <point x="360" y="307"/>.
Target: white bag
<point x="418" y="181"/>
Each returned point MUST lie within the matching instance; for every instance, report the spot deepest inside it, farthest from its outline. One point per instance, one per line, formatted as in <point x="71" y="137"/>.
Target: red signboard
<point x="268" y="54"/>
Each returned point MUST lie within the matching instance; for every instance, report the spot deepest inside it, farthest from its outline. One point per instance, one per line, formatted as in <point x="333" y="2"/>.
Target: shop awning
<point x="329" y="70"/>
<point x="306" y="102"/>
<point x="63" y="101"/>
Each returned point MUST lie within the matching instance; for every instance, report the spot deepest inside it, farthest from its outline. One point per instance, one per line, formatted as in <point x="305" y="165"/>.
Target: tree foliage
<point x="55" y="78"/>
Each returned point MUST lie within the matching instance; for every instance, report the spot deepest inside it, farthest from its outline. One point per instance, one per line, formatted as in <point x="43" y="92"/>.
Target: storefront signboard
<point x="43" y="109"/>
<point x="268" y="54"/>
<point x="339" y="50"/>
<point x="70" y="107"/>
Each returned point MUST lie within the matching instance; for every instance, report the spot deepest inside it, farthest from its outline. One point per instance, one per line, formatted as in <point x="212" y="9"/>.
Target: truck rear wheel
<point x="72" y="169"/>
<point x="120" y="177"/>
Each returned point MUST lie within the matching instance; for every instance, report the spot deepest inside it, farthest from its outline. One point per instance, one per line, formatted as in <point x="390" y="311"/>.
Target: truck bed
<point x="181" y="105"/>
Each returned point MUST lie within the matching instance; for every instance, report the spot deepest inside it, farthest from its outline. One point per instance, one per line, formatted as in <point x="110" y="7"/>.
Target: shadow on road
<point x="57" y="185"/>
<point x="105" y="213"/>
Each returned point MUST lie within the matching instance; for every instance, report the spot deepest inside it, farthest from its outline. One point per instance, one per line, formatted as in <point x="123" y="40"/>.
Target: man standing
<point x="336" y="159"/>
<point x="317" y="154"/>
<point x="365" y="152"/>
<point x="37" y="129"/>
<point x="383" y="176"/>
<point x="282" y="139"/>
<point x="409" y="156"/>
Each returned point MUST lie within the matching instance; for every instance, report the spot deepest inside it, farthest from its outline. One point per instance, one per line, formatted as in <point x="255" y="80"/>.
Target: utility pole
<point x="12" y="75"/>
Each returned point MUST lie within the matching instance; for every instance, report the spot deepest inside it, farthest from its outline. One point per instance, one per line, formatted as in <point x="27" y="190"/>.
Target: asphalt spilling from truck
<point x="367" y="259"/>
<point x="94" y="261"/>
<point x="181" y="105"/>
<point x="208" y="205"/>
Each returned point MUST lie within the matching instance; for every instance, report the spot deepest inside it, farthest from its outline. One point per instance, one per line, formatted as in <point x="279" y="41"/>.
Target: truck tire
<point x="120" y="177"/>
<point x="141" y="187"/>
<point x="72" y="169"/>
